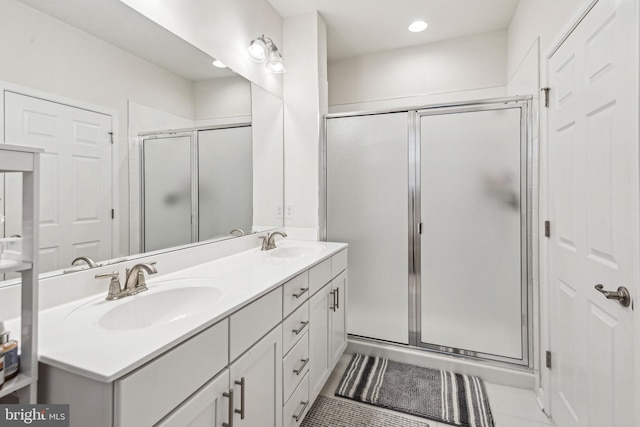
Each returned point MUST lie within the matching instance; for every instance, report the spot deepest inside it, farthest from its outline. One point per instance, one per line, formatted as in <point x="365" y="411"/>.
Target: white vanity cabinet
<point x="328" y="335"/>
<point x="208" y="407"/>
<point x="257" y="384"/>
<point x="260" y="366"/>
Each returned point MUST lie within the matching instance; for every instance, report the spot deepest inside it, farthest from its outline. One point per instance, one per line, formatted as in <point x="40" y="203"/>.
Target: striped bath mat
<point x="443" y="396"/>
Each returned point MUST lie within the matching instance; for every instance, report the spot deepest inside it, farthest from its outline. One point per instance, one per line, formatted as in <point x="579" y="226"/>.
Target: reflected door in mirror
<point x="75" y="178"/>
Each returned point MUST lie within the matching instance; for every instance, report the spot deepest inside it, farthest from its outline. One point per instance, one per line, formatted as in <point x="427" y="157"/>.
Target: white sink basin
<point x="157" y="308"/>
<point x="296" y="251"/>
<point x="165" y="302"/>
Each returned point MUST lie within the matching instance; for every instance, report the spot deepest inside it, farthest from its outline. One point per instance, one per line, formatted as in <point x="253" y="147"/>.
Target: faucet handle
<point x="115" y="290"/>
<point x="265" y="241"/>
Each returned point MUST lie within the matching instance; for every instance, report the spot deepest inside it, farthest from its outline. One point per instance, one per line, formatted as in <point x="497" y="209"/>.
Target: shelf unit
<point x="25" y="160"/>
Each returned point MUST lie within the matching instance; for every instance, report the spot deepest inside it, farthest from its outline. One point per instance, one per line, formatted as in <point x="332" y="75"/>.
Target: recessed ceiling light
<point x="418" y="26"/>
<point x="219" y="64"/>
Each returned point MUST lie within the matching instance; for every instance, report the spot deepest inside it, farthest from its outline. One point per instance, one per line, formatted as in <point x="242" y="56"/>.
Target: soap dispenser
<point x="10" y="349"/>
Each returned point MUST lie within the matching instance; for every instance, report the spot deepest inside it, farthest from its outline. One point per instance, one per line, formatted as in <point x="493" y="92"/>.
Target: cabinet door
<point x="319" y="339"/>
<point x="208" y="407"/>
<point x="338" y="317"/>
<point x="256" y="378"/>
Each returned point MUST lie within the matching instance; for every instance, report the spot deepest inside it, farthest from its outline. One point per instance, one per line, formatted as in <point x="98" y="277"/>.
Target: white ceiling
<point x="356" y="27"/>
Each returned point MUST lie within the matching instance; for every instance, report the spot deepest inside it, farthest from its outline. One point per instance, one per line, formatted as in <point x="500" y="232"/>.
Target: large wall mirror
<point x="147" y="145"/>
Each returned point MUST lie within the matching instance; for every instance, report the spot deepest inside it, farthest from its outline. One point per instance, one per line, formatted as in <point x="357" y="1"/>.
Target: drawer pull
<point x="304" y="407"/>
<point x="230" y="396"/>
<point x="337" y="297"/>
<point x="332" y="307"/>
<point x="304" y="363"/>
<point x="302" y="326"/>
<point x="302" y="292"/>
<point x="240" y="411"/>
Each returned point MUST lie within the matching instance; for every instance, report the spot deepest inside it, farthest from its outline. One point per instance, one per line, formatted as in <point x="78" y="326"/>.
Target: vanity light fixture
<point x="218" y="63"/>
<point x="418" y="26"/>
<point x="264" y="48"/>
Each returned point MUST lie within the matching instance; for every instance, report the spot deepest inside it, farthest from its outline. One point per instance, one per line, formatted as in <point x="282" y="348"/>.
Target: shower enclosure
<point x="196" y="185"/>
<point x="435" y="205"/>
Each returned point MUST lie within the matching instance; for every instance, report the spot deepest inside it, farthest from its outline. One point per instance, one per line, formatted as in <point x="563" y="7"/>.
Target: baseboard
<point x="492" y="374"/>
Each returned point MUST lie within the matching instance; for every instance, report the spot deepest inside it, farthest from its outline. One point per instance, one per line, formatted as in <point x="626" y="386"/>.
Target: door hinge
<point x="113" y="213"/>
<point x="548" y="358"/>
<point x="545" y="96"/>
<point x="419" y="228"/>
<point x="111" y="136"/>
<point x="547" y="229"/>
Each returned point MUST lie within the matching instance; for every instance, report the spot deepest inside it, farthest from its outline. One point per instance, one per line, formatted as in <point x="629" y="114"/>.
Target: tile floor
<point x="511" y="407"/>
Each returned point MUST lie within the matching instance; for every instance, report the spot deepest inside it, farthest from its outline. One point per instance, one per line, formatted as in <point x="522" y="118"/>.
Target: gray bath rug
<point x="328" y="412"/>
<point x="443" y="396"/>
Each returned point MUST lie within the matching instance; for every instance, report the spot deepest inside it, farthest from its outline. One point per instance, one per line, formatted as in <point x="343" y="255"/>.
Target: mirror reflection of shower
<point x="196" y="185"/>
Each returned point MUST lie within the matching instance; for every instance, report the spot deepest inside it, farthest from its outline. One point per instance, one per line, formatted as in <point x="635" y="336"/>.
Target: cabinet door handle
<point x="230" y="396"/>
<point x="333" y="301"/>
<point x="337" y="297"/>
<point x="302" y="292"/>
<point x="240" y="411"/>
<point x="304" y="407"/>
<point x="302" y="326"/>
<point x="304" y="363"/>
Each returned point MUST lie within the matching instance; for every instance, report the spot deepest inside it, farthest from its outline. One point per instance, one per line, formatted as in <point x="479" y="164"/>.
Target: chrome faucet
<point x="135" y="281"/>
<point x="115" y="291"/>
<point x="237" y="232"/>
<point x="91" y="263"/>
<point x="269" y="240"/>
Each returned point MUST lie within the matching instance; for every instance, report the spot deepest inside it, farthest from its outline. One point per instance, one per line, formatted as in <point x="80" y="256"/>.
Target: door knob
<point x="621" y="295"/>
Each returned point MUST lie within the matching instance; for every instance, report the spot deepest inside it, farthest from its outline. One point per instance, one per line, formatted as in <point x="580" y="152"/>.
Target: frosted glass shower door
<point x="367" y="206"/>
<point x="472" y="270"/>
<point x="167" y="192"/>
<point x="225" y="181"/>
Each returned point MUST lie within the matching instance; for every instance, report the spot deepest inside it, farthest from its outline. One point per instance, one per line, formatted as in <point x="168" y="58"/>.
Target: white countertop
<point x="70" y="337"/>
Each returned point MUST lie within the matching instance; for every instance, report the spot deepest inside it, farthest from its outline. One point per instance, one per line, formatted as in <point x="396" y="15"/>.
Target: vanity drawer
<point x="251" y="323"/>
<point x="149" y="393"/>
<point x="295" y="292"/>
<point x="338" y="263"/>
<point x="295" y="365"/>
<point x="294" y="327"/>
<point x="298" y="406"/>
<point x="319" y="275"/>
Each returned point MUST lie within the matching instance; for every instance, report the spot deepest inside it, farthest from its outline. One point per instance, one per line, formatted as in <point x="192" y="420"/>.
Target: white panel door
<point x="593" y="207"/>
<point x="75" y="171"/>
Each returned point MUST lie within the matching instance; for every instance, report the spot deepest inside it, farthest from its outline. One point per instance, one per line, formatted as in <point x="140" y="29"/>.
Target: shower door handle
<point x="621" y="295"/>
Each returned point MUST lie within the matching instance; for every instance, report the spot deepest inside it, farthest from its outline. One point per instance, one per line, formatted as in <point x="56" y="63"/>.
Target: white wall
<point x="268" y="158"/>
<point x="305" y="99"/>
<point x="228" y="98"/>
<point x="222" y="29"/>
<point x="39" y="52"/>
<point x="543" y="19"/>
<point x="448" y="66"/>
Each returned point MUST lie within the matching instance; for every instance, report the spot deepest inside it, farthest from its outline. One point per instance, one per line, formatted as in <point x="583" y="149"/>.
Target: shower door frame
<point x="413" y="187"/>
<point x="526" y="229"/>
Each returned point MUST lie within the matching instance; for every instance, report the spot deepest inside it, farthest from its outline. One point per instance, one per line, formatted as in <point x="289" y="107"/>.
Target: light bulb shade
<point x="257" y="48"/>
<point x="274" y="61"/>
